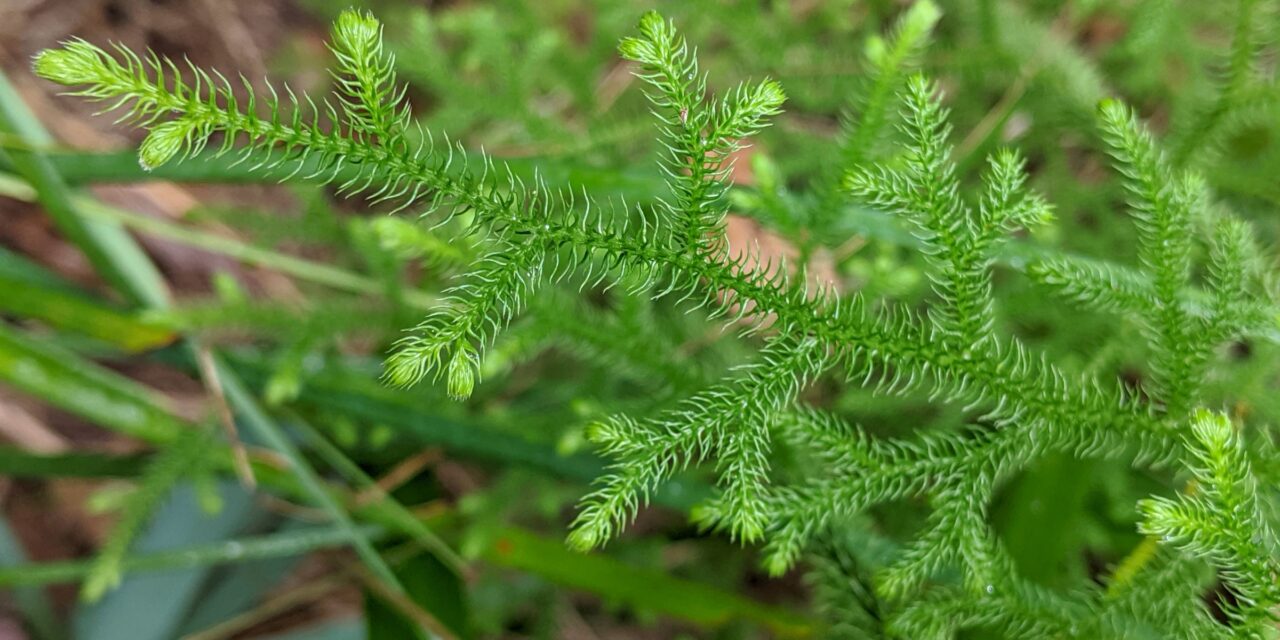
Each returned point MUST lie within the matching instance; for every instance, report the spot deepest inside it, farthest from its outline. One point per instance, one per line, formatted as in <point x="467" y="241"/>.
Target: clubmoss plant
<point x="1190" y="294"/>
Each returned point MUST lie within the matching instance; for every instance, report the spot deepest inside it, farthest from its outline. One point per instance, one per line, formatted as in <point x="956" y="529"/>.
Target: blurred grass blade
<point x="371" y="403"/>
<point x="122" y="263"/>
<point x="239" y="588"/>
<point x="115" y="255"/>
<point x="432" y="586"/>
<point x="642" y="589"/>
<point x="310" y="271"/>
<point x="80" y="167"/>
<point x="274" y="437"/>
<point x="18" y="463"/>
<point x="151" y="606"/>
<point x="70" y="382"/>
<point x="289" y="543"/>
<point x="76" y="313"/>
<point x="364" y="401"/>
<point x="385" y="509"/>
<point x="337" y="630"/>
<point x="16" y="267"/>
<point x="299" y="268"/>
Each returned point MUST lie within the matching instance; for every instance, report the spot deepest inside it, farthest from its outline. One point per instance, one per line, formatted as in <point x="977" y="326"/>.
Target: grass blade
<point x="275" y="438"/>
<point x="640" y="588"/>
<point x="18" y="463"/>
<point x="72" y="312"/>
<point x="386" y="509"/>
<point x="115" y="256"/>
<point x="70" y="382"/>
<point x="289" y="543"/>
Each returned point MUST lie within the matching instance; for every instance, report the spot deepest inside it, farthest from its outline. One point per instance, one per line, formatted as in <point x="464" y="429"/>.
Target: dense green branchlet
<point x="700" y="138"/>
<point x="1220" y="520"/>
<point x="956" y="572"/>
<point x="372" y="100"/>
<point x="866" y="122"/>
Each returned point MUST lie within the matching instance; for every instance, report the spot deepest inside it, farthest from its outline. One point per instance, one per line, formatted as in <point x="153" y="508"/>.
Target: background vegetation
<point x="149" y="312"/>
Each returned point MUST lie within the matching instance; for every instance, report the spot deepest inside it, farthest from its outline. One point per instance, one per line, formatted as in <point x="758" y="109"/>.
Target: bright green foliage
<point x="700" y="138"/>
<point x="496" y="292"/>
<point x="372" y="102"/>
<point x="864" y="124"/>
<point x="1162" y="206"/>
<point x="1006" y="403"/>
<point x="839" y="579"/>
<point x="729" y="422"/>
<point x="958" y="239"/>
<point x="888" y="58"/>
<point x="1219" y="519"/>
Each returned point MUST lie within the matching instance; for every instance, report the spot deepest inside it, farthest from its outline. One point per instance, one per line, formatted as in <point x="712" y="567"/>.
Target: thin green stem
<point x="302" y="269"/>
<point x="274" y="436"/>
<point x="385" y="506"/>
